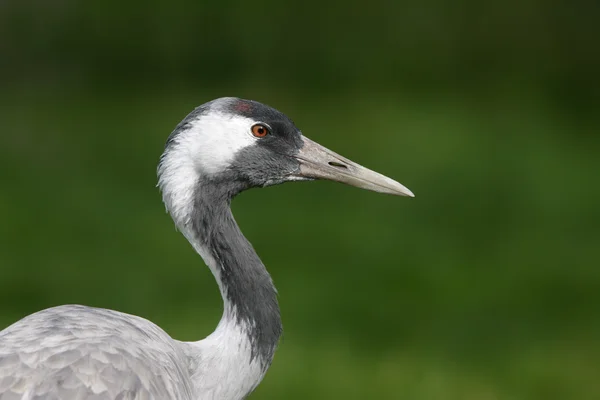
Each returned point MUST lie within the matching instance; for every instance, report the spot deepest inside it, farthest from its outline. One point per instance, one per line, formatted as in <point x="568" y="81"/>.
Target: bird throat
<point x="249" y="296"/>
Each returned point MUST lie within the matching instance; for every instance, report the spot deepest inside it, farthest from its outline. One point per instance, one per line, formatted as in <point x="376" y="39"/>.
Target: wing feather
<point x="75" y="352"/>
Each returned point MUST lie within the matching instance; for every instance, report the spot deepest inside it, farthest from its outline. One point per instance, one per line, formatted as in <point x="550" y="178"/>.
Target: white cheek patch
<point x="208" y="147"/>
<point x="214" y="139"/>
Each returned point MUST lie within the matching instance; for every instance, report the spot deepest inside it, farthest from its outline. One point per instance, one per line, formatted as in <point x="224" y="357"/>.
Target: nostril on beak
<point x="336" y="164"/>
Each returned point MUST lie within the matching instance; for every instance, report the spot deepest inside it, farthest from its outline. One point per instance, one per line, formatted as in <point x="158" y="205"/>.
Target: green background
<point x="485" y="286"/>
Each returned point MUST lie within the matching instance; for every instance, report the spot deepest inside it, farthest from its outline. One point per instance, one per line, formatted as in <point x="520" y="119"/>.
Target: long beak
<point x="318" y="162"/>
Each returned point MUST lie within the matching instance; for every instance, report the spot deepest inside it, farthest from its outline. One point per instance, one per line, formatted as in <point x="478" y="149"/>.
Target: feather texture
<point x="76" y="352"/>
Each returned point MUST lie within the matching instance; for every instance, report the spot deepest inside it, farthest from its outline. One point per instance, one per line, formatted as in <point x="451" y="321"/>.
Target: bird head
<point x="242" y="144"/>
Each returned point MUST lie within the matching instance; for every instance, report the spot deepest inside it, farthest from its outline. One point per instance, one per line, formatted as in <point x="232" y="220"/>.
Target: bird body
<point x="220" y="149"/>
<point x="76" y="352"/>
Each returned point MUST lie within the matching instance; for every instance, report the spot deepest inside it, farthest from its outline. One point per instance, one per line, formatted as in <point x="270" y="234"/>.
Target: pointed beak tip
<point x="405" y="192"/>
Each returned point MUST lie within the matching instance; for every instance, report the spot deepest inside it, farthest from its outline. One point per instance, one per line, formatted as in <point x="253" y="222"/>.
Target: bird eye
<point x="259" y="130"/>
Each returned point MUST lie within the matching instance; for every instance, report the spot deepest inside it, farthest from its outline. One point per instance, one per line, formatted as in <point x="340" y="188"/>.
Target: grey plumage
<point x="76" y="352"/>
<point x="256" y="304"/>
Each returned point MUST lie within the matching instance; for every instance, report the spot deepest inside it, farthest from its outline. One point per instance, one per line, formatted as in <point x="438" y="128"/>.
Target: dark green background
<point x="485" y="286"/>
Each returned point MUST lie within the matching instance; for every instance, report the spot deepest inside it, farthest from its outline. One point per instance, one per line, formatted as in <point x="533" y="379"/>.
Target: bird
<point x="220" y="149"/>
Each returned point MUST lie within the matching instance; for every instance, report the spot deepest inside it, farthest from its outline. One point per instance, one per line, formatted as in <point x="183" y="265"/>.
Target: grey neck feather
<point x="245" y="284"/>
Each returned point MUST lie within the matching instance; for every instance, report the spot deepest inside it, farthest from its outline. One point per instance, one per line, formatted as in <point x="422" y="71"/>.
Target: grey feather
<point x="76" y="352"/>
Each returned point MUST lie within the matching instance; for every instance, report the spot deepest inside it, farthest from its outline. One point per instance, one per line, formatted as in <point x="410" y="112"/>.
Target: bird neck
<point x="249" y="296"/>
<point x="247" y="335"/>
<point x="231" y="361"/>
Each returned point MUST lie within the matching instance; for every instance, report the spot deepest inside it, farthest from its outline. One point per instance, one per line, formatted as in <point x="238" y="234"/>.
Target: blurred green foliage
<point x="485" y="286"/>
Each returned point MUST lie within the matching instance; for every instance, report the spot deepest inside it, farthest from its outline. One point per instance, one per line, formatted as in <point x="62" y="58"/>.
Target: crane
<point x="221" y="148"/>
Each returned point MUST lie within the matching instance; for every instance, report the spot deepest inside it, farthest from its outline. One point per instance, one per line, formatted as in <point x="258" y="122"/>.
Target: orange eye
<point x="259" y="130"/>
